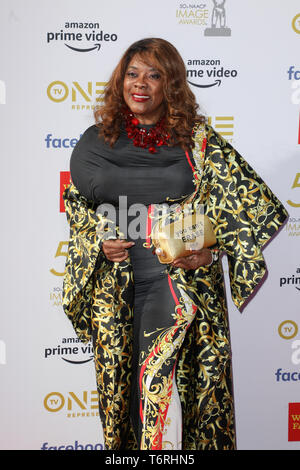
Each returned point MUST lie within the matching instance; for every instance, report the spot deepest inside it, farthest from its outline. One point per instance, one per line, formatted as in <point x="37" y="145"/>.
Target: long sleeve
<point x="244" y="211"/>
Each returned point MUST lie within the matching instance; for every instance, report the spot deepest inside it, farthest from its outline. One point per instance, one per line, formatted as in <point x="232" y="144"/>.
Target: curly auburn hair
<point x="180" y="103"/>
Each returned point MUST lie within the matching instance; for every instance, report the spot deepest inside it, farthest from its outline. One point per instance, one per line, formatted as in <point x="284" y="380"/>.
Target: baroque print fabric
<point x="98" y="299"/>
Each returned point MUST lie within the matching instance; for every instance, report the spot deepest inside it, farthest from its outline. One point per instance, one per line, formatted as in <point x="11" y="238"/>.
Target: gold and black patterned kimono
<point x="192" y="348"/>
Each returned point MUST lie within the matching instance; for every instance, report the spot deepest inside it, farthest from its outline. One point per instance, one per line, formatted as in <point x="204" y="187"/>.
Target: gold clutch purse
<point x="175" y="239"/>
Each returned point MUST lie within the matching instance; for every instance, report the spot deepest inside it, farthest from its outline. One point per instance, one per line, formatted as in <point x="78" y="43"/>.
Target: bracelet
<point x="214" y="255"/>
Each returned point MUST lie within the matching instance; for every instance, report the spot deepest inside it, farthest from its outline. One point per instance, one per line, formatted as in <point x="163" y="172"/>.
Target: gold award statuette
<point x="176" y="239"/>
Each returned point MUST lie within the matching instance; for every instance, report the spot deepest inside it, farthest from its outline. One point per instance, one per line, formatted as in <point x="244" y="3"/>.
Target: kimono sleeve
<point x="245" y="212"/>
<point x="84" y="254"/>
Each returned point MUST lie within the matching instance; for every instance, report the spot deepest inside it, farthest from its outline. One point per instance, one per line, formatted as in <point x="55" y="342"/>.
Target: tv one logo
<point x="296" y="23"/>
<point x="64" y="183"/>
<point x="287" y="330"/>
<point x="76" y="405"/>
<point x="83" y="96"/>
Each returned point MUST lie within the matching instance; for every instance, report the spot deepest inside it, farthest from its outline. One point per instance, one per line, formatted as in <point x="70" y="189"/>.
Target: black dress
<point x="132" y="181"/>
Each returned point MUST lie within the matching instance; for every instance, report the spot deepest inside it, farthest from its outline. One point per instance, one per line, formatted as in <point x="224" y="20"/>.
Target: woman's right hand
<point x="116" y="250"/>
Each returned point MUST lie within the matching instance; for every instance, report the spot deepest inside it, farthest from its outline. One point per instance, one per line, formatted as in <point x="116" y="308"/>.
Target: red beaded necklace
<point x="145" y="138"/>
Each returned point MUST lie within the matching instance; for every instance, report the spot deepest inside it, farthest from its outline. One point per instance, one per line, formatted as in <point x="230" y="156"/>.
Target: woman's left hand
<point x="196" y="259"/>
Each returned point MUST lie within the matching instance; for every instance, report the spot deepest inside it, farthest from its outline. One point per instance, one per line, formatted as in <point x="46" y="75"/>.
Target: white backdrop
<point x="55" y="58"/>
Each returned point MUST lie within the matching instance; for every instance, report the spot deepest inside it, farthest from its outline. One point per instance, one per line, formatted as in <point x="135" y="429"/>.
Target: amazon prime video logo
<point x="81" y="36"/>
<point x="206" y="73"/>
<point x="70" y="350"/>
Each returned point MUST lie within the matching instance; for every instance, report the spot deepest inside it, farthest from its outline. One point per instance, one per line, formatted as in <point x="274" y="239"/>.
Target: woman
<point x="160" y="332"/>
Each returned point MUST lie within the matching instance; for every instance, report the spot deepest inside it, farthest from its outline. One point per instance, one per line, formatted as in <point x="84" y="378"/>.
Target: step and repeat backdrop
<point x="242" y="61"/>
